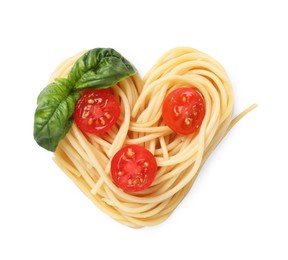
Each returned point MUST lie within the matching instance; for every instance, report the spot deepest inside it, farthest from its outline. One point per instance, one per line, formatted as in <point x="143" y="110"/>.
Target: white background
<point x="237" y="208"/>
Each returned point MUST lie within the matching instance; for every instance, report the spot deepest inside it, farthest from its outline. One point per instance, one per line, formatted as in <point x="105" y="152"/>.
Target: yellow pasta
<point x="86" y="158"/>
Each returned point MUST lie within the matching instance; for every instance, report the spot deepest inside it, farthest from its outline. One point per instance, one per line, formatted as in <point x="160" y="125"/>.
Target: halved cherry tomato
<point x="96" y="111"/>
<point x="183" y="110"/>
<point x="133" y="168"/>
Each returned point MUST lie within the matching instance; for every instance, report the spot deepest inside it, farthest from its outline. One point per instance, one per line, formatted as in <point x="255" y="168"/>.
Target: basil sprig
<point x="97" y="68"/>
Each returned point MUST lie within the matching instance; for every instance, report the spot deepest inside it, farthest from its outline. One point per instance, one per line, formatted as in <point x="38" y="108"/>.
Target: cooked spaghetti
<point x="86" y="158"/>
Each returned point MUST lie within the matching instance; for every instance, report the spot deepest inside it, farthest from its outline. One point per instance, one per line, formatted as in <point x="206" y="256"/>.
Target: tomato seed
<point x="102" y="121"/>
<point x="107" y="115"/>
<point x="85" y="114"/>
<point x="90" y="121"/>
<point x="130" y="152"/>
<point x="188" y="121"/>
<point x="145" y="164"/>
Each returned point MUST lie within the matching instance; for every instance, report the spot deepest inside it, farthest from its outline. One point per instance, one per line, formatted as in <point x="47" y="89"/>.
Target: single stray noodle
<point x="86" y="158"/>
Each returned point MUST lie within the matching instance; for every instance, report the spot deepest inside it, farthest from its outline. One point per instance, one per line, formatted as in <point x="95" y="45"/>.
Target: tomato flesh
<point x="96" y="111"/>
<point x="133" y="168"/>
<point x="183" y="110"/>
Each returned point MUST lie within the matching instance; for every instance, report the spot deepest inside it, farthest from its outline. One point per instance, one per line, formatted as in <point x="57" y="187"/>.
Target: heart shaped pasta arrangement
<point x="86" y="158"/>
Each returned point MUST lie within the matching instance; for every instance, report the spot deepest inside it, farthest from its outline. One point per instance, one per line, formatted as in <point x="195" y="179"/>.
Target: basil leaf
<point x="100" y="68"/>
<point x="54" y="114"/>
<point x="97" y="68"/>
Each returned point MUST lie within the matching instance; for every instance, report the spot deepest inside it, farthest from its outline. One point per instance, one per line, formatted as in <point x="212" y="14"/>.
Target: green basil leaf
<point x="54" y="114"/>
<point x="97" y="68"/>
<point x="100" y="68"/>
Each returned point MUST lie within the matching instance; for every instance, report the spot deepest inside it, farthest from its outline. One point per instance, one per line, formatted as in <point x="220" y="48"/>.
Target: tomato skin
<point x="96" y="111"/>
<point x="133" y="168"/>
<point x="183" y="110"/>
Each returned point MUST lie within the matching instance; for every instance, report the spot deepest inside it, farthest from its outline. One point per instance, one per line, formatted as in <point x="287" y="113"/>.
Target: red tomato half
<point x="96" y="111"/>
<point x="133" y="168"/>
<point x="184" y="110"/>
